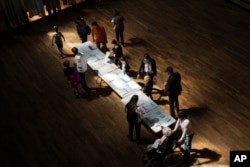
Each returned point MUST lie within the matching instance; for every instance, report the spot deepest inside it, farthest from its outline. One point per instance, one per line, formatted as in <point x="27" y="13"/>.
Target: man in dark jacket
<point x="147" y="67"/>
<point x="173" y="89"/>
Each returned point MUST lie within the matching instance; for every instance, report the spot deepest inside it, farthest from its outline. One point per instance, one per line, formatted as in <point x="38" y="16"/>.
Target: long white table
<point x="124" y="86"/>
<point x="121" y="83"/>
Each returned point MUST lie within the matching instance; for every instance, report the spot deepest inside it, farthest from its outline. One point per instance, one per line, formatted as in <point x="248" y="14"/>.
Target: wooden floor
<point x="43" y="125"/>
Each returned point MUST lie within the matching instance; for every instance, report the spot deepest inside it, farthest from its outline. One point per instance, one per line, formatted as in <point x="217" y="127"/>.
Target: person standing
<point x="99" y="36"/>
<point x="116" y="51"/>
<point x="83" y="30"/>
<point x="183" y="123"/>
<point x="73" y="76"/>
<point x="133" y="118"/>
<point x="80" y="62"/>
<point x="173" y="89"/>
<point x="118" y="22"/>
<point x="148" y="86"/>
<point x="147" y="67"/>
<point x="58" y="38"/>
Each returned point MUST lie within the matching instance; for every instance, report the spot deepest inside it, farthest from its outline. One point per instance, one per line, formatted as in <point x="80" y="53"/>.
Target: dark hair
<point x="66" y="63"/>
<point x="55" y="27"/>
<point x="116" y="12"/>
<point x="123" y="58"/>
<point x="169" y="69"/>
<point x="114" y="42"/>
<point x="74" y="50"/>
<point x="183" y="114"/>
<point x="94" y="23"/>
<point x="147" y="56"/>
<point x="79" y="19"/>
<point x="134" y="99"/>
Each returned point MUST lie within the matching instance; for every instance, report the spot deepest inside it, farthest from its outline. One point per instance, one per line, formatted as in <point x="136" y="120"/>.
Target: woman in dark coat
<point x="134" y="121"/>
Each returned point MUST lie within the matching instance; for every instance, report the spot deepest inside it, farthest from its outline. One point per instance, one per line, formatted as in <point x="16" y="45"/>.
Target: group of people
<point x="170" y="138"/>
<point x="99" y="36"/>
<point x="147" y="70"/>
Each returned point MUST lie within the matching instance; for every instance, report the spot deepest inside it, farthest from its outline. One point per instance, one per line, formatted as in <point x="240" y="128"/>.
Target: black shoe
<point x="130" y="138"/>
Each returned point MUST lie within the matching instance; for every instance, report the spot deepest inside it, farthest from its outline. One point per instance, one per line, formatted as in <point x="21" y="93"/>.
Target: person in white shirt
<point x="184" y="124"/>
<point x="80" y="62"/>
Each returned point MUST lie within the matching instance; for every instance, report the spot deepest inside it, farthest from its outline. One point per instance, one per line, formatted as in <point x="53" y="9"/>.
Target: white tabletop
<point x="124" y="86"/>
<point x="152" y="114"/>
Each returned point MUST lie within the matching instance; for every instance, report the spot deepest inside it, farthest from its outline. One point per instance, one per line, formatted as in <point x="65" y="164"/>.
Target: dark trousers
<point x="84" y="85"/>
<point x="83" y="37"/>
<point x="137" y="126"/>
<point x="119" y="34"/>
<point x="173" y="104"/>
<point x="98" y="45"/>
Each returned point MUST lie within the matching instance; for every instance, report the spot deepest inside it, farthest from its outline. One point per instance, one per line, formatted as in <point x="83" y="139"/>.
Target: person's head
<point x="123" y="60"/>
<point x="94" y="24"/>
<point x="134" y="100"/>
<point x="169" y="70"/>
<point x="74" y="50"/>
<point x="182" y="114"/>
<point x="79" y="20"/>
<point x="146" y="58"/>
<point x="55" y="28"/>
<point x="116" y="12"/>
<point x="114" y="42"/>
<point x="66" y="63"/>
<point x="166" y="131"/>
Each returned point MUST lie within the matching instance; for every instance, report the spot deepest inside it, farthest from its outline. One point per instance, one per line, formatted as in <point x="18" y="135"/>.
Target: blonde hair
<point x="166" y="131"/>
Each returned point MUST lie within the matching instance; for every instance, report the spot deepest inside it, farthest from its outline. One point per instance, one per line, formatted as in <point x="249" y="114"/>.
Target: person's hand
<point x="179" y="141"/>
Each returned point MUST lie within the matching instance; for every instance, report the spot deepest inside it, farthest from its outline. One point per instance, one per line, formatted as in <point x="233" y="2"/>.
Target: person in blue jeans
<point x="183" y="123"/>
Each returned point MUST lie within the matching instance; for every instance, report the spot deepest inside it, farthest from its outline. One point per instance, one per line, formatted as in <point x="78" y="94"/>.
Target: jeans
<point x="187" y="143"/>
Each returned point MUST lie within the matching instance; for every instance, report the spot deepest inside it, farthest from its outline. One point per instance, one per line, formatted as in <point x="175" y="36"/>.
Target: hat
<point x="169" y="69"/>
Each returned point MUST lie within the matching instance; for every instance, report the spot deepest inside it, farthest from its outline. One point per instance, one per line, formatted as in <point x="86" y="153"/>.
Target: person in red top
<point x="99" y="36"/>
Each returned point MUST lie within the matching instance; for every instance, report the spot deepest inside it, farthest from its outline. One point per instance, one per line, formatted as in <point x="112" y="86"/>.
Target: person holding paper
<point x="116" y="51"/>
<point x="133" y="118"/>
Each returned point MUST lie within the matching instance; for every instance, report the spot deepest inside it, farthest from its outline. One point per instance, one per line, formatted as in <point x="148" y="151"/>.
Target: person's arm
<point x="154" y="67"/>
<point x="176" y="126"/>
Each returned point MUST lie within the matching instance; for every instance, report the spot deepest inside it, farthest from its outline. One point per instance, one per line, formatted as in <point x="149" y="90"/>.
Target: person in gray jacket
<point x="118" y="22"/>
